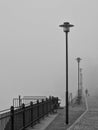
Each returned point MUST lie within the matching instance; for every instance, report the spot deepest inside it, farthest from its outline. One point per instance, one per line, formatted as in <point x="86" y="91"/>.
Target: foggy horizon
<point x="32" y="48"/>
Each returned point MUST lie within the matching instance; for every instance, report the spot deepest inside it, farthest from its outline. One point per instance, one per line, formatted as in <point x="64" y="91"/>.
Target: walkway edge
<point x="44" y="123"/>
<point x="80" y="116"/>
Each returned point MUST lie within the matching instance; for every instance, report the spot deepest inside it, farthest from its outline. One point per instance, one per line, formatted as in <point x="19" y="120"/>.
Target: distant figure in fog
<point x="86" y="92"/>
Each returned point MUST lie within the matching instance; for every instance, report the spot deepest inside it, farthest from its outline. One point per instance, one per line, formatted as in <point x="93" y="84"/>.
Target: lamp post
<point x="81" y="82"/>
<point x="66" y="28"/>
<point x="78" y="60"/>
<point x="81" y="78"/>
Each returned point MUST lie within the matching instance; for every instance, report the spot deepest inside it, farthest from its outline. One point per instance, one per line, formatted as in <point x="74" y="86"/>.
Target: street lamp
<point x="66" y="28"/>
<point x="78" y="60"/>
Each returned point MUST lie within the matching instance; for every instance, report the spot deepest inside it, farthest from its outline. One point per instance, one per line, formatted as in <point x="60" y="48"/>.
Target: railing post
<point x="19" y="100"/>
<point x="38" y="116"/>
<point x="50" y="104"/>
<point x="31" y="104"/>
<point x="23" y="108"/>
<point x="43" y="113"/>
<point x="47" y="106"/>
<point x="12" y="117"/>
<point x="57" y="102"/>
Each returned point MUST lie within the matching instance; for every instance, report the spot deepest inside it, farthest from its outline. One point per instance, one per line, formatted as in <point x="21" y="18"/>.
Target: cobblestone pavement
<point x="90" y="120"/>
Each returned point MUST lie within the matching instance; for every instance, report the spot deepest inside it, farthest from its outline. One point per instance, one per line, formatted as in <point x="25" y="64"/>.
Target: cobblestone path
<point x="59" y="122"/>
<point x="90" y="120"/>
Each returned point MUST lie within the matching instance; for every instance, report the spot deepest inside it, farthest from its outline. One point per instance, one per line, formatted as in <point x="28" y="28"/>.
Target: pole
<point x="81" y="83"/>
<point x="78" y="82"/>
<point x="67" y="111"/>
<point x="78" y="79"/>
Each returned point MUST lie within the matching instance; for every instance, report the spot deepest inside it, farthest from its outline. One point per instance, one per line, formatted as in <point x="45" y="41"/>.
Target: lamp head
<point x="66" y="26"/>
<point x="78" y="59"/>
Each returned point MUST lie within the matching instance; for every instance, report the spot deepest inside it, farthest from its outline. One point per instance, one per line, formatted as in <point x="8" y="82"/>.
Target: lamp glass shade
<point x="66" y="29"/>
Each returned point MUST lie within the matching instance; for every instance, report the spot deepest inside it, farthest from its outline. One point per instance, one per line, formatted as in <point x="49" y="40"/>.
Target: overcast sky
<point x="32" y="47"/>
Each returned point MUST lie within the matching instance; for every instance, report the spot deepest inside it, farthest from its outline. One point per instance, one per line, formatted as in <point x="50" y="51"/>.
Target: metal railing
<point x="24" y="116"/>
<point x="17" y="102"/>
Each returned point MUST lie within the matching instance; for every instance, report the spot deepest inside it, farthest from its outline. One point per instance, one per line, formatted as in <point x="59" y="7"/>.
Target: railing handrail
<point x="5" y="110"/>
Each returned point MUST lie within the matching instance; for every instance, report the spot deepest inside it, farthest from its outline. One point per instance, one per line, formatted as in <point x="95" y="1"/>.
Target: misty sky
<point x="32" y="47"/>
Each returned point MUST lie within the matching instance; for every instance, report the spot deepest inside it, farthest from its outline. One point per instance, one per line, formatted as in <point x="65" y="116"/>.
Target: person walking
<point x="86" y="92"/>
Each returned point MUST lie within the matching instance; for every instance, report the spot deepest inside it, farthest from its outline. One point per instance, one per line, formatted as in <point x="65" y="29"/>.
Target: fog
<point x="32" y="47"/>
